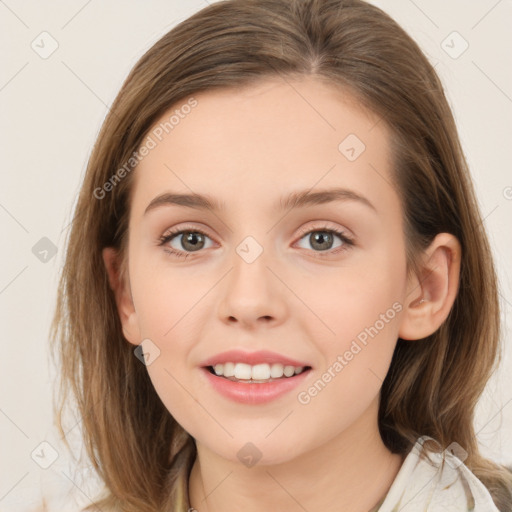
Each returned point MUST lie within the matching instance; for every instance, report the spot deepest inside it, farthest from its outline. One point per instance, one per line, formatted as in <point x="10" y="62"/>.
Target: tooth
<point x="242" y="371"/>
<point x="229" y="369"/>
<point x="260" y="372"/>
<point x="276" y="371"/>
<point x="289" y="371"/>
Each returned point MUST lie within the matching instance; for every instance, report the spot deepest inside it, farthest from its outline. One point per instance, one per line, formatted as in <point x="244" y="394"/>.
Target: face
<point x="315" y="285"/>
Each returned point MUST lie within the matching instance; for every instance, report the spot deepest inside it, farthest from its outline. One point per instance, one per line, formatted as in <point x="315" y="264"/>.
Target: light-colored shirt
<point x="436" y="483"/>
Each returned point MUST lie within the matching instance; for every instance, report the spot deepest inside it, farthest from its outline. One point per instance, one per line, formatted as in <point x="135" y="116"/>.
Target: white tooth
<point x="229" y="369"/>
<point x="289" y="371"/>
<point x="260" y="372"/>
<point x="276" y="371"/>
<point x="242" y="371"/>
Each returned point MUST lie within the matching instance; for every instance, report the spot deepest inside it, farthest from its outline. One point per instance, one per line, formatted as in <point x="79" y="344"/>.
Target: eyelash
<point x="347" y="242"/>
<point x="171" y="234"/>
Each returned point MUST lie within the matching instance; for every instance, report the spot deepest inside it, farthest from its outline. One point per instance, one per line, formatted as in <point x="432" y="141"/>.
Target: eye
<point x="325" y="239"/>
<point x="182" y="242"/>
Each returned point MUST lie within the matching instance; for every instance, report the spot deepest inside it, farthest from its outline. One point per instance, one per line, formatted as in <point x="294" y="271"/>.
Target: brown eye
<point x="321" y="240"/>
<point x="192" y="240"/>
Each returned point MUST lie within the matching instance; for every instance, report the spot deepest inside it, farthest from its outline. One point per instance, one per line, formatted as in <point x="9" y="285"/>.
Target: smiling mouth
<point x="256" y="374"/>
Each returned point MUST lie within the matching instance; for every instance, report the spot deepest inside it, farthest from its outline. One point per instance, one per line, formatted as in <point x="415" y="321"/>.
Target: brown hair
<point x="432" y="386"/>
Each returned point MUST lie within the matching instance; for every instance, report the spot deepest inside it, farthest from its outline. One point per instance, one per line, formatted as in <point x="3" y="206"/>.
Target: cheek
<point x="172" y="382"/>
<point x="165" y="296"/>
<point x="365" y="316"/>
<point x="352" y="299"/>
<point x="170" y="306"/>
<point x="361" y="308"/>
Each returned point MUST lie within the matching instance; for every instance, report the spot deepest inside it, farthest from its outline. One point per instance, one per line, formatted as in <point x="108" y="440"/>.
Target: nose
<point x="252" y="295"/>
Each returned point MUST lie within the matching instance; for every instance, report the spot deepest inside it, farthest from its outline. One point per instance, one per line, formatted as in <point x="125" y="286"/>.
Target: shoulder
<point x="430" y="482"/>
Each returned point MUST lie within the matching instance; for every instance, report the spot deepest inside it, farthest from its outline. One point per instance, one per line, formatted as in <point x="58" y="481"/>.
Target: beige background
<point x="51" y="111"/>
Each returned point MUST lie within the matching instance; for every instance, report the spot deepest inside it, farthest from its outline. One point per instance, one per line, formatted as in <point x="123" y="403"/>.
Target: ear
<point x="119" y="282"/>
<point x="431" y="294"/>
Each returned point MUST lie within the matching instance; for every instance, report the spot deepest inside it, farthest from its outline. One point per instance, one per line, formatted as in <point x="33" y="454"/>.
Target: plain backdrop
<point x="52" y="107"/>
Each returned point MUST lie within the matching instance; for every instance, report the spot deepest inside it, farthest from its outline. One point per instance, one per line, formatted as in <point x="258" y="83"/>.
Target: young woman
<point x="278" y="292"/>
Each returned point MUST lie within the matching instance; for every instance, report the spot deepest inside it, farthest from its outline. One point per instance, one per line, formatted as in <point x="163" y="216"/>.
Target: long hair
<point x="141" y="453"/>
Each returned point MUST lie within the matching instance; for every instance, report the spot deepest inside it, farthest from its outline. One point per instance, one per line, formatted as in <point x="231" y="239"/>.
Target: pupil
<point x="194" y="239"/>
<point x="323" y="239"/>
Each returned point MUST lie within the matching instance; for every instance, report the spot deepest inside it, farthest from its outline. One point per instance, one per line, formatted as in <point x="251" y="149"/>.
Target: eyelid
<point x="186" y="227"/>
<point x="326" y="226"/>
<point x="304" y="230"/>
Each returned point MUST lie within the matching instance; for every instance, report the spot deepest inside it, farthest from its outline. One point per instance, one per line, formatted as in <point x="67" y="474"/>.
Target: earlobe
<point x="120" y="286"/>
<point x="431" y="294"/>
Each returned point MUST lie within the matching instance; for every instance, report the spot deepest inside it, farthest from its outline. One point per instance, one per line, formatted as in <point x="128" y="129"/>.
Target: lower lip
<point x="254" y="393"/>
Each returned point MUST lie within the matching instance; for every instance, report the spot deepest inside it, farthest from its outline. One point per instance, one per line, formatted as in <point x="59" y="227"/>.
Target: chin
<point x="251" y="450"/>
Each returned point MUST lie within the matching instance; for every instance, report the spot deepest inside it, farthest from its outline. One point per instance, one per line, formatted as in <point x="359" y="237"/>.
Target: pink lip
<point x="252" y="358"/>
<point x="254" y="393"/>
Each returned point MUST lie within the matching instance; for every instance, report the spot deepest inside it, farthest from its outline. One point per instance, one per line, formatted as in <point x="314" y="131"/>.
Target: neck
<point x="351" y="472"/>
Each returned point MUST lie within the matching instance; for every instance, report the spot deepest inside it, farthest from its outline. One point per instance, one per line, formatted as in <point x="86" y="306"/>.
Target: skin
<point x="248" y="148"/>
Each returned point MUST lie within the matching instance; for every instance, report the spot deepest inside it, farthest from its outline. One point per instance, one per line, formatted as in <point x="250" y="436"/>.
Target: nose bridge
<point x="250" y="250"/>
<point x="251" y="291"/>
<point x="250" y="275"/>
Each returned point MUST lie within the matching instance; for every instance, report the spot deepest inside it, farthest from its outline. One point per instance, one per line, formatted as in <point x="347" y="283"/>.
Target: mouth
<point x="262" y="373"/>
<point x="253" y="377"/>
<point x="257" y="384"/>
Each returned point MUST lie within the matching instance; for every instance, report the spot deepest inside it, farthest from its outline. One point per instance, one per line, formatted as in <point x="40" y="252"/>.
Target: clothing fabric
<point x="435" y="483"/>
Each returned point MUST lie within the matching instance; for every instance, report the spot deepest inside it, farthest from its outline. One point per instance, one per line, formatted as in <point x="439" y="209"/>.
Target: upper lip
<point x="252" y="358"/>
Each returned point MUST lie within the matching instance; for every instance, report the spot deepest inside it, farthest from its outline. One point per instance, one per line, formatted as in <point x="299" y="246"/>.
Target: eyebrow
<point x="299" y="199"/>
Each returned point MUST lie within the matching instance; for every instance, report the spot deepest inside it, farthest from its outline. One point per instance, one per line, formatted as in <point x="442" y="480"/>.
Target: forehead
<point x="264" y="140"/>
